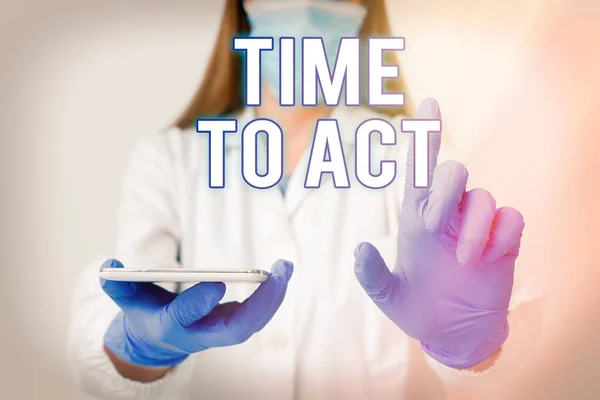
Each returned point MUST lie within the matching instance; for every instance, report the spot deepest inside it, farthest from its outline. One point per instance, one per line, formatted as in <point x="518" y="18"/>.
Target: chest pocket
<point x="387" y="348"/>
<point x="386" y="353"/>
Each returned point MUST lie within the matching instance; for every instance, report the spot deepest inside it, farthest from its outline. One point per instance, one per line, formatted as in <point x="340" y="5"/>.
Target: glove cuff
<point x="465" y="359"/>
<point x="125" y="346"/>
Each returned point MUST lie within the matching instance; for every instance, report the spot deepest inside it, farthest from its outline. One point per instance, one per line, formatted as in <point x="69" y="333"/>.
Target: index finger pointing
<point x="423" y="149"/>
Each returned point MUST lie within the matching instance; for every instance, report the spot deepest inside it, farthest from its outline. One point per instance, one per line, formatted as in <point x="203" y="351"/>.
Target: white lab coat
<point x="327" y="341"/>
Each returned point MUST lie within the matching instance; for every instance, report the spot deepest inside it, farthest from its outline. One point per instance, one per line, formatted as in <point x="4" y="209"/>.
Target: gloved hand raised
<point x="158" y="328"/>
<point x="456" y="253"/>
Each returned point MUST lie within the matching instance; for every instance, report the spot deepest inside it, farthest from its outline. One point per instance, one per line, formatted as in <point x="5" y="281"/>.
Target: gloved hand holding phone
<point x="158" y="328"/>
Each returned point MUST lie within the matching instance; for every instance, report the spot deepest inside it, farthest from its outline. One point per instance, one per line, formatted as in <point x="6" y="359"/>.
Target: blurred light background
<point x="517" y="81"/>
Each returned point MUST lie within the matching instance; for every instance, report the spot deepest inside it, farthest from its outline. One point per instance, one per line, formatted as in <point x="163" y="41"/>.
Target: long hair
<point x="220" y="92"/>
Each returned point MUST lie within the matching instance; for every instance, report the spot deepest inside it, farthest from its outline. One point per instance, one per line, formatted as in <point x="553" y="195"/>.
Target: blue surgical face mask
<point x="330" y="20"/>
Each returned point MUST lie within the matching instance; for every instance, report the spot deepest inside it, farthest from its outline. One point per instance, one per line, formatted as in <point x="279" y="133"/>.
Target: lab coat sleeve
<point x="148" y="235"/>
<point x="520" y="343"/>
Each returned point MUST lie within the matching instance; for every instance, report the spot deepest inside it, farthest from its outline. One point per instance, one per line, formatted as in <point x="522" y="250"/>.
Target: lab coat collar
<point x="348" y="120"/>
<point x="341" y="113"/>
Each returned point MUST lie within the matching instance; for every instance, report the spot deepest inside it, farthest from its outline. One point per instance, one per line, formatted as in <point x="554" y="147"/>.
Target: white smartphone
<point x="183" y="275"/>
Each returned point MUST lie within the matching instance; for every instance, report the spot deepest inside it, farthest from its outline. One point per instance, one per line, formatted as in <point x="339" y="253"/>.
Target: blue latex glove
<point x="158" y="328"/>
<point x="452" y="282"/>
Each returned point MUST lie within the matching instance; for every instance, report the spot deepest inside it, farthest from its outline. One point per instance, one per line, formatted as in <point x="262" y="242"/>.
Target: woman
<point x="454" y="252"/>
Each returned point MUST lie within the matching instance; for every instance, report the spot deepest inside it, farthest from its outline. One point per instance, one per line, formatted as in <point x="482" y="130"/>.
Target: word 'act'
<point x="326" y="155"/>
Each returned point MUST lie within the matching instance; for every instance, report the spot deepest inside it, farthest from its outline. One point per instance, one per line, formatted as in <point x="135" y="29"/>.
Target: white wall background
<point x="79" y="80"/>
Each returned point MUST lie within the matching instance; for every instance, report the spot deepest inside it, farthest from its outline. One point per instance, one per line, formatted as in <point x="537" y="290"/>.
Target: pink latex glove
<point x="452" y="283"/>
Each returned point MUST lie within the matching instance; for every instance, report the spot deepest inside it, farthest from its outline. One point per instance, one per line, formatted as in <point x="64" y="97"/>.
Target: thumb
<point x="133" y="295"/>
<point x="117" y="290"/>
<point x="381" y="285"/>
<point x="195" y="302"/>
